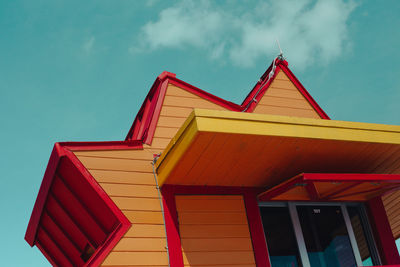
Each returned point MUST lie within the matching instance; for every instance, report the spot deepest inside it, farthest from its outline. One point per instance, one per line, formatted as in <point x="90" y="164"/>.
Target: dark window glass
<point x="281" y="240"/>
<point x="326" y="236"/>
<point x="360" y="234"/>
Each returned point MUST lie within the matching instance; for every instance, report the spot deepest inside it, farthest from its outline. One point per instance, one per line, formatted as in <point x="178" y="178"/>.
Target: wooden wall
<point x="214" y="231"/>
<point x="283" y="98"/>
<point x="392" y="206"/>
<point x="127" y="177"/>
<point x="178" y="104"/>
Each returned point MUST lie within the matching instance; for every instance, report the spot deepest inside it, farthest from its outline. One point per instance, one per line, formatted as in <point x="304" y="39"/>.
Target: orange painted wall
<point x="214" y="231"/>
<point x="283" y="98"/>
<point x="127" y="177"/>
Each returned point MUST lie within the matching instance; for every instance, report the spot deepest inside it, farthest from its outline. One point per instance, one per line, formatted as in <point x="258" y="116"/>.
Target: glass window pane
<point x="359" y="232"/>
<point x="326" y="237"/>
<point x="281" y="240"/>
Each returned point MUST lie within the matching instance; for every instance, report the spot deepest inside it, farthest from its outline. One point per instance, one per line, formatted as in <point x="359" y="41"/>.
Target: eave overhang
<point x="222" y="148"/>
<point x="332" y="187"/>
<point x="74" y="222"/>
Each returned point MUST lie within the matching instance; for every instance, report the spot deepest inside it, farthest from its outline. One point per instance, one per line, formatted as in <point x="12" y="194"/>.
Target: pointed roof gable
<point x="145" y="123"/>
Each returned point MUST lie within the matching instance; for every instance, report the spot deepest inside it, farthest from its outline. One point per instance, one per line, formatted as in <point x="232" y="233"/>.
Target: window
<point x="310" y="234"/>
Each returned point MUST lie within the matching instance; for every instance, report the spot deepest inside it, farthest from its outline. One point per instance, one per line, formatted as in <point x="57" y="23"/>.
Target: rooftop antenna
<point x="280" y="56"/>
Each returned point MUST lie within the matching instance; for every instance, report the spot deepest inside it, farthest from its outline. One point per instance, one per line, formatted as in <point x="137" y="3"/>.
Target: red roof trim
<point x="119" y="232"/>
<point x="60" y="150"/>
<point x="108" y="145"/>
<point x="33" y="224"/>
<point x="310" y="178"/>
<point x="144" y="125"/>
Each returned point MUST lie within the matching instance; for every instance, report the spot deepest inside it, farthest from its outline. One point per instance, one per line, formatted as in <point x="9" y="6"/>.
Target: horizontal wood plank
<point x="205" y="205"/>
<point x="214" y="231"/>
<point x="177" y="91"/>
<point x="285" y="111"/>
<point x="172" y="111"/>
<point x="138" y="204"/>
<point x="215" y="258"/>
<point x="126" y="190"/>
<point x="123" y="177"/>
<point x="278" y="92"/>
<point x="144" y="217"/>
<point x="146" y="230"/>
<point x="165" y="132"/>
<point x="168" y="121"/>
<point x="180" y="101"/>
<point x="147" y="258"/>
<point x="284" y="102"/>
<point x="216" y="244"/>
<point x="212" y="218"/>
<point x="116" y="164"/>
<point x="141" y="244"/>
<point x="121" y="154"/>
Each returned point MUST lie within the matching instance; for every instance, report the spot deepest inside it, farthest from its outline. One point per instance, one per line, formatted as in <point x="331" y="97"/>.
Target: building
<point x="199" y="180"/>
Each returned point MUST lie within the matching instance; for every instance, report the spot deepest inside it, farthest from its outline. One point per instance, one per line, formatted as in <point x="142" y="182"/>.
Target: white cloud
<point x="307" y="30"/>
<point x="88" y="44"/>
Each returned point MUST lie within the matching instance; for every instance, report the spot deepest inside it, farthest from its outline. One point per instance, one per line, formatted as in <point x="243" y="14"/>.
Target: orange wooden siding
<point x="178" y="104"/>
<point x="392" y="206"/>
<point x="214" y="231"/>
<point x="283" y="98"/>
<point x="127" y="177"/>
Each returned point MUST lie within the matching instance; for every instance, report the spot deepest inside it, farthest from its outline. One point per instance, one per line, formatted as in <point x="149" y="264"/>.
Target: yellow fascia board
<point x="230" y="122"/>
<point x="272" y="125"/>
<point x="176" y="148"/>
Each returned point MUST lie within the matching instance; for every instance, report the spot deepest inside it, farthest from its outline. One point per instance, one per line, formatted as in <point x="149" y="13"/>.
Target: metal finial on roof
<point x="280" y="56"/>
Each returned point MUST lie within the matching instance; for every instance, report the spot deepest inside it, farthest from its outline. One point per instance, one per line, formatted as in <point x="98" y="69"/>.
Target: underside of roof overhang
<point x="222" y="148"/>
<point x="332" y="187"/>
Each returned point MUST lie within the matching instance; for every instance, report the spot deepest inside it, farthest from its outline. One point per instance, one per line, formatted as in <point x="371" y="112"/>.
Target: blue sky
<point x="79" y="70"/>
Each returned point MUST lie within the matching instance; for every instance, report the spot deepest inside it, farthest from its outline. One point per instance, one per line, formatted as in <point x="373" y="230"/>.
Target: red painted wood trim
<point x="253" y="215"/>
<point x="383" y="232"/>
<point x="107" y="145"/>
<point x="172" y="228"/>
<point x="262" y="91"/>
<point x="203" y="94"/>
<point x="119" y="232"/>
<point x="256" y="228"/>
<point x="143" y="121"/>
<point x="46" y="255"/>
<point x="33" y="224"/>
<point x="114" y="237"/>
<point x="154" y="113"/>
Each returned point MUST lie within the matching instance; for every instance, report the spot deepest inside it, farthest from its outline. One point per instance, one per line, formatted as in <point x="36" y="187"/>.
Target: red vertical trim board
<point x="383" y="232"/>
<point x="256" y="230"/>
<point x="253" y="216"/>
<point x="172" y="228"/>
<point x="154" y="113"/>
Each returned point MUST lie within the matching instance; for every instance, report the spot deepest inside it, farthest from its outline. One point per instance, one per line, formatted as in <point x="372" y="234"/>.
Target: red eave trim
<point x="62" y="150"/>
<point x="33" y="224"/>
<point x="119" y="232"/>
<point x="310" y="178"/>
<point x="144" y="124"/>
<point x="107" y="145"/>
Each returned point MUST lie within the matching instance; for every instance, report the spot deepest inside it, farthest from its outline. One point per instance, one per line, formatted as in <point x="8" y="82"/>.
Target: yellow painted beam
<point x="228" y="122"/>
